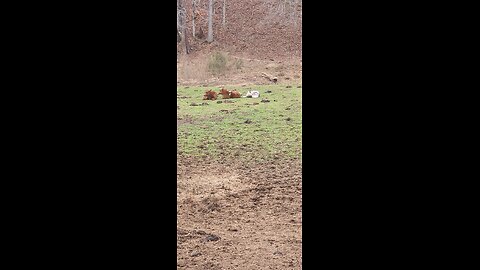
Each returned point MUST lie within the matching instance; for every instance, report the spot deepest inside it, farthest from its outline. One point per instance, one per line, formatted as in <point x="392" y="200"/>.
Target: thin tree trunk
<point x="210" y="22"/>
<point x="193" y="18"/>
<point x="183" y="22"/>
<point x="295" y="13"/>
<point x="178" y="15"/>
<point x="187" y="48"/>
<point x="223" y="22"/>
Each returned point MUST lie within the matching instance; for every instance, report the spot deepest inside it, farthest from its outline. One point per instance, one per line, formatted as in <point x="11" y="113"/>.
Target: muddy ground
<point x="230" y="217"/>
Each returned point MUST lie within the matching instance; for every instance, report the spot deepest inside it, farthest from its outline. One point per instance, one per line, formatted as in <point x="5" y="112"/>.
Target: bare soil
<point x="231" y="217"/>
<point x="192" y="70"/>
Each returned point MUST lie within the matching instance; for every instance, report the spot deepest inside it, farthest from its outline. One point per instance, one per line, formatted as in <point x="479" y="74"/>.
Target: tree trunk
<point x="223" y="22"/>
<point x="210" y="22"/>
<point x="295" y="13"/>
<point x="182" y="23"/>
<point x="185" y="37"/>
<point x="193" y="18"/>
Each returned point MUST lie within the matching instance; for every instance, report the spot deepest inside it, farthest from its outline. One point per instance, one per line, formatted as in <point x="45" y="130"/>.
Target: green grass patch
<point x="240" y="130"/>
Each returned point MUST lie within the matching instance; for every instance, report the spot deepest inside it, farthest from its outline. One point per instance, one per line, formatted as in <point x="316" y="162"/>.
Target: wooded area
<point x="196" y="16"/>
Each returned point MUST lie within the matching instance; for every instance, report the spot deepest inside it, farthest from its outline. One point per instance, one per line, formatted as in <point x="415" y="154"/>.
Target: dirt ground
<point x="229" y="217"/>
<point x="192" y="70"/>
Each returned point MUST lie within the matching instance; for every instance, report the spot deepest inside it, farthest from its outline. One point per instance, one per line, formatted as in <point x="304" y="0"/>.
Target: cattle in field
<point x="210" y="95"/>
<point x="235" y="94"/>
<point x="225" y="93"/>
<point x="229" y="94"/>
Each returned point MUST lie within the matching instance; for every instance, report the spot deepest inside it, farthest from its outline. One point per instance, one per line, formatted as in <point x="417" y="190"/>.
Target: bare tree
<point x="181" y="25"/>
<point x="295" y="4"/>
<point x="223" y="21"/>
<point x="287" y="12"/>
<point x="178" y="21"/>
<point x="210" y="22"/>
<point x="194" y="10"/>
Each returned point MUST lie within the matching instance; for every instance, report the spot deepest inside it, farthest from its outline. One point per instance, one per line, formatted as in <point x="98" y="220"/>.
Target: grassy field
<point x="245" y="130"/>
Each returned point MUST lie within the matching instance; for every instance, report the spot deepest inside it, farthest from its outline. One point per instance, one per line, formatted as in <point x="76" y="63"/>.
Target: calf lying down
<point x="230" y="94"/>
<point x="210" y="95"/>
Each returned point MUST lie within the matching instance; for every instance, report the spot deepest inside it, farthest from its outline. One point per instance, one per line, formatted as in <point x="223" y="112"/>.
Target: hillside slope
<point x="260" y="29"/>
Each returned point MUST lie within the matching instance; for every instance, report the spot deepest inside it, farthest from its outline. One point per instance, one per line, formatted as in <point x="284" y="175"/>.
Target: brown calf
<point x="225" y="93"/>
<point x="229" y="94"/>
<point x="235" y="94"/>
<point x="210" y="95"/>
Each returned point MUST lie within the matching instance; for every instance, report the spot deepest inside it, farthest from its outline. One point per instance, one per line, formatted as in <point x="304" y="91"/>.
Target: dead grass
<point x="217" y="64"/>
<point x="189" y="69"/>
<point x="193" y="70"/>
